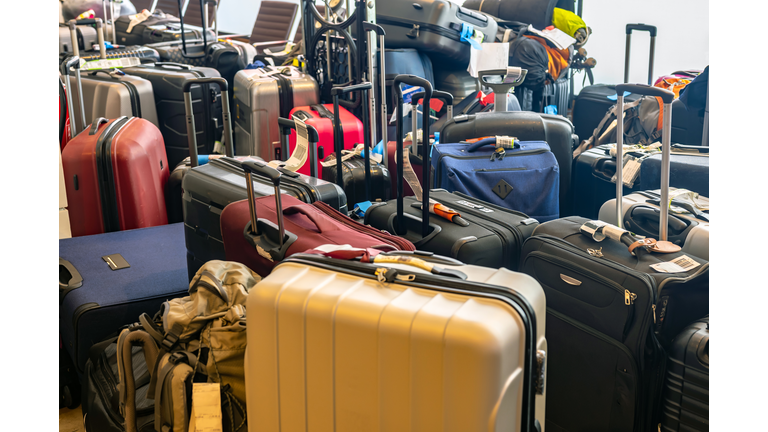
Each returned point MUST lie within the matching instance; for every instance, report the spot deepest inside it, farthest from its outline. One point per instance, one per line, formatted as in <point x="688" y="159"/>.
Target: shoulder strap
<point x="128" y="383"/>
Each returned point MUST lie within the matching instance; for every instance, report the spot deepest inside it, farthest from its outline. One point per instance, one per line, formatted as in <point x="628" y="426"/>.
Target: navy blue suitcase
<point x="95" y="301"/>
<point x="525" y="178"/>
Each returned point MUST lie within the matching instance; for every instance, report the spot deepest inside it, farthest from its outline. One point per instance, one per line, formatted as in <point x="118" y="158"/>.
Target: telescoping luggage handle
<point x="667" y="97"/>
<point x="338" y="137"/>
<point x="99" y="35"/>
<point x="73" y="62"/>
<point x="640" y="27"/>
<point x="371" y="27"/>
<point x="204" y="14"/>
<point x="192" y="137"/>
<point x="446" y="97"/>
<point x="501" y="89"/>
<point x="415" y="81"/>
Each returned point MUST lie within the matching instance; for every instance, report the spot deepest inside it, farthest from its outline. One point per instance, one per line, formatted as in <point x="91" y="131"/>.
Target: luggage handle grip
<point x="207" y="80"/>
<point x="488" y="141"/>
<point x="412" y="80"/>
<point x="75" y="278"/>
<point x="255" y="231"/>
<point x="321" y="227"/>
<point x="191" y="134"/>
<point x="164" y="65"/>
<point x="437" y="94"/>
<point x="647" y="90"/>
<point x="95" y="125"/>
<point x="369" y="26"/>
<point x="286" y="125"/>
<point x="338" y="91"/>
<point x="72" y="62"/>
<point x="641" y="27"/>
<point x="263" y="170"/>
<point x="700" y="149"/>
<point x="365" y="89"/>
<point x="654" y="215"/>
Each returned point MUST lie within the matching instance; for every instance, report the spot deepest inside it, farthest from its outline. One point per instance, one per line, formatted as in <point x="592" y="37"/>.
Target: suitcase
<point x="620" y="319"/>
<point x="322" y="118"/>
<point x="690" y="169"/>
<point x="342" y="345"/>
<point x="277" y="235"/>
<point x="556" y="131"/>
<point x="140" y="33"/>
<point x="263" y="95"/>
<point x="69" y="382"/>
<point x="95" y="300"/>
<point x="485" y="234"/>
<point x="167" y="80"/>
<point x="535" y="12"/>
<point x="88" y="53"/>
<point x="115" y="174"/>
<point x="86" y="36"/>
<point x="208" y="189"/>
<point x="433" y="26"/>
<point x="593" y="101"/>
<point x="689" y="230"/>
<point x="456" y="81"/>
<point x="64" y="130"/>
<point x="685" y="404"/>
<point x="403" y="61"/>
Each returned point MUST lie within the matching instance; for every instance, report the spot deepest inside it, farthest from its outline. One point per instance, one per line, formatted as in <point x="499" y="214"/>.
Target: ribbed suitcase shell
<point x="258" y="95"/>
<point x="329" y="351"/>
<point x="128" y="169"/>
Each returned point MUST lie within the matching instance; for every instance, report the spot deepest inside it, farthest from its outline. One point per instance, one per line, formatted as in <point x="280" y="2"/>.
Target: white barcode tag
<point x="630" y="171"/>
<point x="681" y="264"/>
<point x="506" y="142"/>
<point x="205" y="415"/>
<point x="109" y="63"/>
<point x="300" y="152"/>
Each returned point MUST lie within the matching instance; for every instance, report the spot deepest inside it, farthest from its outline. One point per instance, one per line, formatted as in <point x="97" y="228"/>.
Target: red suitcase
<point x="115" y="173"/>
<point x="321" y="118"/>
<point x="302" y="227"/>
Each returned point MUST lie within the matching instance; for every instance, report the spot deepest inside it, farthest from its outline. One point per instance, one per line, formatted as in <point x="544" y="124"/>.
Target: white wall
<point x="682" y="41"/>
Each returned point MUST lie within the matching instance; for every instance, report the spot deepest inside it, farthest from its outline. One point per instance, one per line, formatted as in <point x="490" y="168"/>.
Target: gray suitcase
<point x="86" y="37"/>
<point x="263" y="95"/>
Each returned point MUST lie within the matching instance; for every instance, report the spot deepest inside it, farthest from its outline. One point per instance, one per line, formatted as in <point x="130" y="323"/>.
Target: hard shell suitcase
<point x="277" y="235"/>
<point x="88" y="53"/>
<point x="621" y="317"/>
<point x="342" y="345"/>
<point x="86" y="36"/>
<point x="115" y="174"/>
<point x="95" y="300"/>
<point x="208" y="189"/>
<point x="167" y="80"/>
<point x="263" y="95"/>
<point x="535" y="12"/>
<point x="489" y="236"/>
<point x="433" y="26"/>
<point x="685" y="401"/>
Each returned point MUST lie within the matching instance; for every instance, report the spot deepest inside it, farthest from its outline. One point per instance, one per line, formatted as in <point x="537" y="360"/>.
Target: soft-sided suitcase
<point x="263" y="95"/>
<point x="433" y="26"/>
<point x="115" y="173"/>
<point x="611" y="314"/>
<point x="403" y="61"/>
<point x="139" y="33"/>
<point x="167" y="80"/>
<point x="322" y="118"/>
<point x="285" y="226"/>
<point x="342" y="345"/>
<point x="96" y="300"/>
<point x="685" y="401"/>
<point x="483" y="234"/>
<point x="690" y="230"/>
<point x="538" y="13"/>
<point x="555" y="130"/>
<point x="208" y="189"/>
<point x="593" y="101"/>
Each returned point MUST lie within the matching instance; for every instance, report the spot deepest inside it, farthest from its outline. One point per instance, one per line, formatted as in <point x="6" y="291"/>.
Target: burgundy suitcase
<point x="287" y="226"/>
<point x="115" y="173"/>
<point x="321" y="117"/>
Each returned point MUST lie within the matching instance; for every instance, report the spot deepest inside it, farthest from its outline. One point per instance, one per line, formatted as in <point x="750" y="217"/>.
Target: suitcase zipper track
<point x="132" y="92"/>
<point x="106" y="179"/>
<point x="398" y="242"/>
<point x="520" y="153"/>
<point x="499" y="169"/>
<point x="403" y="22"/>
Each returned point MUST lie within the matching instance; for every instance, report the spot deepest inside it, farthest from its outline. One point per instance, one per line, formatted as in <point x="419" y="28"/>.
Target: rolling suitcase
<point x="115" y="174"/>
<point x="685" y="401"/>
<point x="403" y="61"/>
<point x="593" y="101"/>
<point x="86" y="36"/>
<point x="159" y="27"/>
<point x="277" y="235"/>
<point x="434" y="26"/>
<point x="167" y="80"/>
<point x="263" y="95"/>
<point x="107" y="280"/>
<point x="629" y="304"/>
<point x="483" y="234"/>
<point x="322" y="118"/>
<point x="535" y="12"/>
<point x="336" y="344"/>
<point x="88" y="53"/>
<point x="208" y="189"/>
<point x="555" y="130"/>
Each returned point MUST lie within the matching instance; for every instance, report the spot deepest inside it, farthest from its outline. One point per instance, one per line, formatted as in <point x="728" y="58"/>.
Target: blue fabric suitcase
<point x="526" y="178"/>
<point x="95" y="301"/>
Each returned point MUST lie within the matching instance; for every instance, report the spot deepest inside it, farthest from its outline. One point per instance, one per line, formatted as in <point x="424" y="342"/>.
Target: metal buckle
<point x="597" y="253"/>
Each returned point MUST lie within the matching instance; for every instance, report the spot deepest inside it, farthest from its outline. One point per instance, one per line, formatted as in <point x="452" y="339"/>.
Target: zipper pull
<point x="629" y="297"/>
<point x="653" y="306"/>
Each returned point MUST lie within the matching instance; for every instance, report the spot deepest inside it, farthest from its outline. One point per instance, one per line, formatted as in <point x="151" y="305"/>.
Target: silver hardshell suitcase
<point x="338" y="345"/>
<point x="86" y="36"/>
<point x="263" y="95"/>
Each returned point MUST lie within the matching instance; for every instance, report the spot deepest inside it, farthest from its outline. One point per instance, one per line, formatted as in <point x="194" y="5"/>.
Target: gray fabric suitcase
<point x="263" y="95"/>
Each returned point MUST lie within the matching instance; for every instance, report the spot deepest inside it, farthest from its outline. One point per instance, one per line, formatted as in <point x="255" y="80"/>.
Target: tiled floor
<point x="71" y="420"/>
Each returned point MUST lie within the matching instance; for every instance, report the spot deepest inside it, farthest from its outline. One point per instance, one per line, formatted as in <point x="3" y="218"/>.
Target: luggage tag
<point x="300" y="153"/>
<point x="631" y="170"/>
<point x="205" y="415"/>
<point x="116" y="261"/>
<point x="681" y="264"/>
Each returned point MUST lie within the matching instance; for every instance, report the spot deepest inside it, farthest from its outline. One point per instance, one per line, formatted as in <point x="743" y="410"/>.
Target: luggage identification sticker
<point x="681" y="264"/>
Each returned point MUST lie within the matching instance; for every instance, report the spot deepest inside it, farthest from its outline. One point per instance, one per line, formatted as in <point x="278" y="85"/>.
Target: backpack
<point x="642" y="125"/>
<point x="193" y="339"/>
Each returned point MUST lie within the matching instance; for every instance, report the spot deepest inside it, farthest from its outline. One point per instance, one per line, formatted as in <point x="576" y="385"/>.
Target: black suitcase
<point x="207" y="189"/>
<point x="685" y="401"/>
<point x="95" y="300"/>
<point x="535" y="12"/>
<point x="145" y="54"/>
<point x="167" y="80"/>
<point x="140" y="33"/>
<point x="610" y="314"/>
<point x="592" y="101"/>
<point x="432" y="26"/>
<point x="491" y="236"/>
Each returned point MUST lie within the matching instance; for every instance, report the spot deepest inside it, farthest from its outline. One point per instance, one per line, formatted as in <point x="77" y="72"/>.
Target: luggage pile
<point x="409" y="254"/>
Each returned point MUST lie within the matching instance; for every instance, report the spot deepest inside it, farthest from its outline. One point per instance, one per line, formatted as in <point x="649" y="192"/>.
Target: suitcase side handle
<point x="191" y="134"/>
<point x="69" y="277"/>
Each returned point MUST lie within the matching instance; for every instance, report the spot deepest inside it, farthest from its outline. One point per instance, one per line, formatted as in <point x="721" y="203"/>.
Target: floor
<point x="71" y="420"/>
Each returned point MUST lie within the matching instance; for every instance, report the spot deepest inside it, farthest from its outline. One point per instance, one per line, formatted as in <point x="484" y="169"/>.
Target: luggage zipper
<point x="133" y="94"/>
<point x="106" y="179"/>
<point x="403" y="22"/>
<point x="499" y="169"/>
<point x="398" y="242"/>
<point x="629" y="297"/>
<point x="440" y="158"/>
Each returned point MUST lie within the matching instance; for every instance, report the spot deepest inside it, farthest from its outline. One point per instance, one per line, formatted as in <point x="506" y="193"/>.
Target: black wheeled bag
<point x="490" y="236"/>
<point x="432" y="26"/>
<point x="538" y="13"/>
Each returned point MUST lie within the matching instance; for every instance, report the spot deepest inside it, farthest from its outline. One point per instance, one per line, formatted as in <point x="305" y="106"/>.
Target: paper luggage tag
<point x="681" y="264"/>
<point x="630" y="171"/>
<point x="205" y="415"/>
<point x="115" y="261"/>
